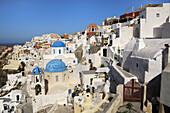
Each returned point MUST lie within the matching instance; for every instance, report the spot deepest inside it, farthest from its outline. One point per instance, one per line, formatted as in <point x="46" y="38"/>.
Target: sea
<point x="11" y="44"/>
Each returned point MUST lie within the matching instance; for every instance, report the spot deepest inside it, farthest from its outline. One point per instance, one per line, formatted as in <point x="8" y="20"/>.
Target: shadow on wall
<point x="115" y="79"/>
<point x="127" y="62"/>
<point x="164" y="58"/>
<point x="46" y="86"/>
<point x="153" y="93"/>
<point x="136" y="33"/>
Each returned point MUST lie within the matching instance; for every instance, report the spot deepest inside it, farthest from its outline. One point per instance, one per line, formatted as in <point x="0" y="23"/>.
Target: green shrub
<point x="102" y="65"/>
<point x="129" y="106"/>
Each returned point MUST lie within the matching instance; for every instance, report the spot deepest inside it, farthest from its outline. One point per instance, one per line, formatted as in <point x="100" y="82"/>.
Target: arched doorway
<point x="105" y="52"/>
<point x="37" y="89"/>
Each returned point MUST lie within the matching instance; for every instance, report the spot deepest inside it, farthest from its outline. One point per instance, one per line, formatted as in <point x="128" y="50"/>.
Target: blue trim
<point x="69" y="91"/>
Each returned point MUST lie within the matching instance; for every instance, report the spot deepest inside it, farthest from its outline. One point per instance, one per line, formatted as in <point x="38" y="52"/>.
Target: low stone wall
<point x="43" y="100"/>
<point x="95" y="109"/>
<point x="115" y="105"/>
<point x="105" y="61"/>
<point x="103" y="101"/>
<point x="117" y="101"/>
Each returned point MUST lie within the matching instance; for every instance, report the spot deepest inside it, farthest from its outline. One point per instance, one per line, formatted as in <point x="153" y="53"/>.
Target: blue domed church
<point x="56" y="72"/>
<point x="59" y="51"/>
<point x="58" y="48"/>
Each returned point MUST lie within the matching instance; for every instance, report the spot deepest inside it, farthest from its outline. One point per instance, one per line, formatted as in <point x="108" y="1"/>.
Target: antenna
<point x="128" y="9"/>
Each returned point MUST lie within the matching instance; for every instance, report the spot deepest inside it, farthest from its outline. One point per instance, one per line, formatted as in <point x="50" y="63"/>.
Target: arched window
<point x="37" y="89"/>
<point x="92" y="28"/>
<point x="59" y="51"/>
<point x="56" y="78"/>
<point x="54" y="51"/>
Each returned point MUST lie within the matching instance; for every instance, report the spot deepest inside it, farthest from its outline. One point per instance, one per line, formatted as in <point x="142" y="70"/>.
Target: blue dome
<point x="37" y="71"/>
<point x="58" y="44"/>
<point x="55" y="65"/>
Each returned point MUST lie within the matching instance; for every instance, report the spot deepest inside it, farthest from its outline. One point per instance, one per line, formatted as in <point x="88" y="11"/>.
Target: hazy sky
<point x="21" y="20"/>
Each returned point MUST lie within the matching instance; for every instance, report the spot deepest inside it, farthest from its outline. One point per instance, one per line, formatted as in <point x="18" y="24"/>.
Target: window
<point x="53" y="51"/>
<point x="74" y="61"/>
<point x="59" y="51"/>
<point x="17" y="97"/>
<point x="157" y="14"/>
<point x="117" y="33"/>
<point x="137" y="65"/>
<point x="5" y="106"/>
<point x="118" y="51"/>
<point x="91" y="81"/>
<point x="56" y="78"/>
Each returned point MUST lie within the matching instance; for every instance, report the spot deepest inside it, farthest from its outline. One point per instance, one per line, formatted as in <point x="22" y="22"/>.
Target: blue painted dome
<point x="37" y="71"/>
<point x="55" y="65"/>
<point x="58" y="44"/>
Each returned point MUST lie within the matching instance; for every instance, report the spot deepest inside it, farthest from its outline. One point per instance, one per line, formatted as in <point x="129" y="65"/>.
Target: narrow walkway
<point x="26" y="104"/>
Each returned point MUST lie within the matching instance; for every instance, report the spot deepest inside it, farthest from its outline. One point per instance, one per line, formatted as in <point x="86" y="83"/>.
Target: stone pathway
<point x="64" y="109"/>
<point x="26" y="106"/>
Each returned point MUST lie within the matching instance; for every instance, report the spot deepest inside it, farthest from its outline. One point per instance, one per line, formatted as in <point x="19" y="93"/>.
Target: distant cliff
<point x="3" y="74"/>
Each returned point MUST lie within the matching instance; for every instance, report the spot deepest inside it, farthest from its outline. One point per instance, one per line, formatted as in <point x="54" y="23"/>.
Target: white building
<point x="58" y="51"/>
<point x="150" y="19"/>
<point x="51" y="87"/>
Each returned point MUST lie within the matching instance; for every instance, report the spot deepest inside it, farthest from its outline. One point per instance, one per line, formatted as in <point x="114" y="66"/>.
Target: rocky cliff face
<point x="2" y="48"/>
<point x="3" y="74"/>
<point x="79" y="53"/>
<point x="94" y="48"/>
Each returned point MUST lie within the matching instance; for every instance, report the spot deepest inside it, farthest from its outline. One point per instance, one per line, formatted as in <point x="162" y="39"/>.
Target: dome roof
<point x="58" y="44"/>
<point x="37" y="71"/>
<point x="55" y="65"/>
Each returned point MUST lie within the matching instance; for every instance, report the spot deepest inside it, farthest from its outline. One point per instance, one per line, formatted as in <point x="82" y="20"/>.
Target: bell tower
<point x="37" y="85"/>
